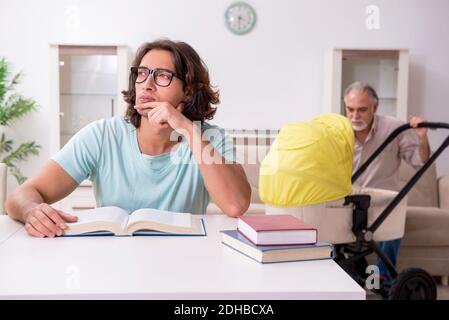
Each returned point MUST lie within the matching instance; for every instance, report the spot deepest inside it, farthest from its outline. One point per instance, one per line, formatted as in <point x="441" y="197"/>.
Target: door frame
<point x="333" y="77"/>
<point x="123" y="54"/>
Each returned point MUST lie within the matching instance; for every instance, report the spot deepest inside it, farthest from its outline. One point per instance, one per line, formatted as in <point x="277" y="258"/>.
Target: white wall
<point x="267" y="78"/>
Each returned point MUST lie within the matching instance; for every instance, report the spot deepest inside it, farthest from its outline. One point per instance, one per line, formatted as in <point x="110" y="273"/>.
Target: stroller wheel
<point x="413" y="284"/>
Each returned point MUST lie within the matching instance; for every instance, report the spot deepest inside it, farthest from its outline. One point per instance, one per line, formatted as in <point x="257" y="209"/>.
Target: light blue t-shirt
<point x="107" y="153"/>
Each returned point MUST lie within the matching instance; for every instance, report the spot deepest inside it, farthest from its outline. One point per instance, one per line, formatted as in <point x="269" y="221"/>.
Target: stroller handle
<point x="390" y="138"/>
<point x="386" y="212"/>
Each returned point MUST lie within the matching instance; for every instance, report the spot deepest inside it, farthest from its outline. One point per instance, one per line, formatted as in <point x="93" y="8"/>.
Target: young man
<point x="371" y="130"/>
<point x="135" y="161"/>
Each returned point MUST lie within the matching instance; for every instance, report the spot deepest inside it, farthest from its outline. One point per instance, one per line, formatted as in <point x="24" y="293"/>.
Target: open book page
<point x="164" y="221"/>
<point x="113" y="219"/>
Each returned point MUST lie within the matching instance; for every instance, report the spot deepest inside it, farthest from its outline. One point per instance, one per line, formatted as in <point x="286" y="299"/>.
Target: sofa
<point x="425" y="243"/>
<point x="426" y="239"/>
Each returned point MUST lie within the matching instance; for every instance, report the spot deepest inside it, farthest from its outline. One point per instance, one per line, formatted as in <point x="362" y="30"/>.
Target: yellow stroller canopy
<point x="309" y="163"/>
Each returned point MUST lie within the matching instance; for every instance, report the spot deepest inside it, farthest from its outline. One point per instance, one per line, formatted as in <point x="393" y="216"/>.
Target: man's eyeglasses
<point x="162" y="77"/>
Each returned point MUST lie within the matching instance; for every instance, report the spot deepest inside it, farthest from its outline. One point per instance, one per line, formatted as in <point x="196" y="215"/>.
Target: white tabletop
<point x="8" y="227"/>
<point x="157" y="268"/>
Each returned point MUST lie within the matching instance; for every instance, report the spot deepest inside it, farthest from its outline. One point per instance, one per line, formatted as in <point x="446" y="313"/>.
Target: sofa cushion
<point x="426" y="226"/>
<point x="443" y="192"/>
<point x="434" y="260"/>
<point x="425" y="191"/>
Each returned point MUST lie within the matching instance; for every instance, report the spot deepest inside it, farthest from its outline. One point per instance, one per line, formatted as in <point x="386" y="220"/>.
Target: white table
<point x="157" y="268"/>
<point x="8" y="227"/>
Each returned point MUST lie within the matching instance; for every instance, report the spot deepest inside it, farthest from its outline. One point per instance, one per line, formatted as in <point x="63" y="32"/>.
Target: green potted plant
<point x="13" y="106"/>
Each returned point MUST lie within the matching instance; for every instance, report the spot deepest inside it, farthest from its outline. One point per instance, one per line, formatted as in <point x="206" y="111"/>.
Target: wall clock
<point x="240" y="18"/>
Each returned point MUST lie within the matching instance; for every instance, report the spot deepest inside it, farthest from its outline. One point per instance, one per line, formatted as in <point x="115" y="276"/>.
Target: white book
<point x="119" y="222"/>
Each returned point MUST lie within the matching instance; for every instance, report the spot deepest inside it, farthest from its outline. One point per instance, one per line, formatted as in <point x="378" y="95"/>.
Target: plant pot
<point x="3" y="175"/>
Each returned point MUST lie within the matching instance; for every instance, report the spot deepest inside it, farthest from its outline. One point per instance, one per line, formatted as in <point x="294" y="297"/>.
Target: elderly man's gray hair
<point x="362" y="87"/>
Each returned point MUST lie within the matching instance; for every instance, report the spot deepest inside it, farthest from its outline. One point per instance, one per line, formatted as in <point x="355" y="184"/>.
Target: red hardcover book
<point x="271" y="230"/>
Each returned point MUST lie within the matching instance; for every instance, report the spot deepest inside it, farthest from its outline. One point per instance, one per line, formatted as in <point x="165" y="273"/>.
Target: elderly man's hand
<point x="421" y="132"/>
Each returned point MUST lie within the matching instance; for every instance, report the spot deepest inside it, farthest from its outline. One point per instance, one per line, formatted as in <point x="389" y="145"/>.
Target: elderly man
<point x="371" y="129"/>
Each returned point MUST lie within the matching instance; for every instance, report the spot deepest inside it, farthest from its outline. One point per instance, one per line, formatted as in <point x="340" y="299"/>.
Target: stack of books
<point x="276" y="238"/>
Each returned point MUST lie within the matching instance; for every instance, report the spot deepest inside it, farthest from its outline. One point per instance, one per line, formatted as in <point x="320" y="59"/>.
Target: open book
<point x="117" y="221"/>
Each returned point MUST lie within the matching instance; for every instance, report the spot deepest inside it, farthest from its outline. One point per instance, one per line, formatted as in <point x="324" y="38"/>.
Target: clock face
<point x="240" y="18"/>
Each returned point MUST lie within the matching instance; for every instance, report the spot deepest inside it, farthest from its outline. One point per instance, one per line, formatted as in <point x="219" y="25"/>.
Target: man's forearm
<point x="226" y="183"/>
<point x="424" y="149"/>
<point x="21" y="201"/>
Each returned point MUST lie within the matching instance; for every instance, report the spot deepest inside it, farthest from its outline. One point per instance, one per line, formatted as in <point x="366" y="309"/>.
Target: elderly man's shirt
<point x="383" y="172"/>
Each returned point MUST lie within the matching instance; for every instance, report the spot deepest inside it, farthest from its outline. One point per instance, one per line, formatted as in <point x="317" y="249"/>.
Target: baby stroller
<point x="410" y="284"/>
<point x="309" y="177"/>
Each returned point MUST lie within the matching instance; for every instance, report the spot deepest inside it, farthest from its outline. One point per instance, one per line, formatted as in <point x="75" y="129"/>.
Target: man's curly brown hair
<point x="190" y="69"/>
